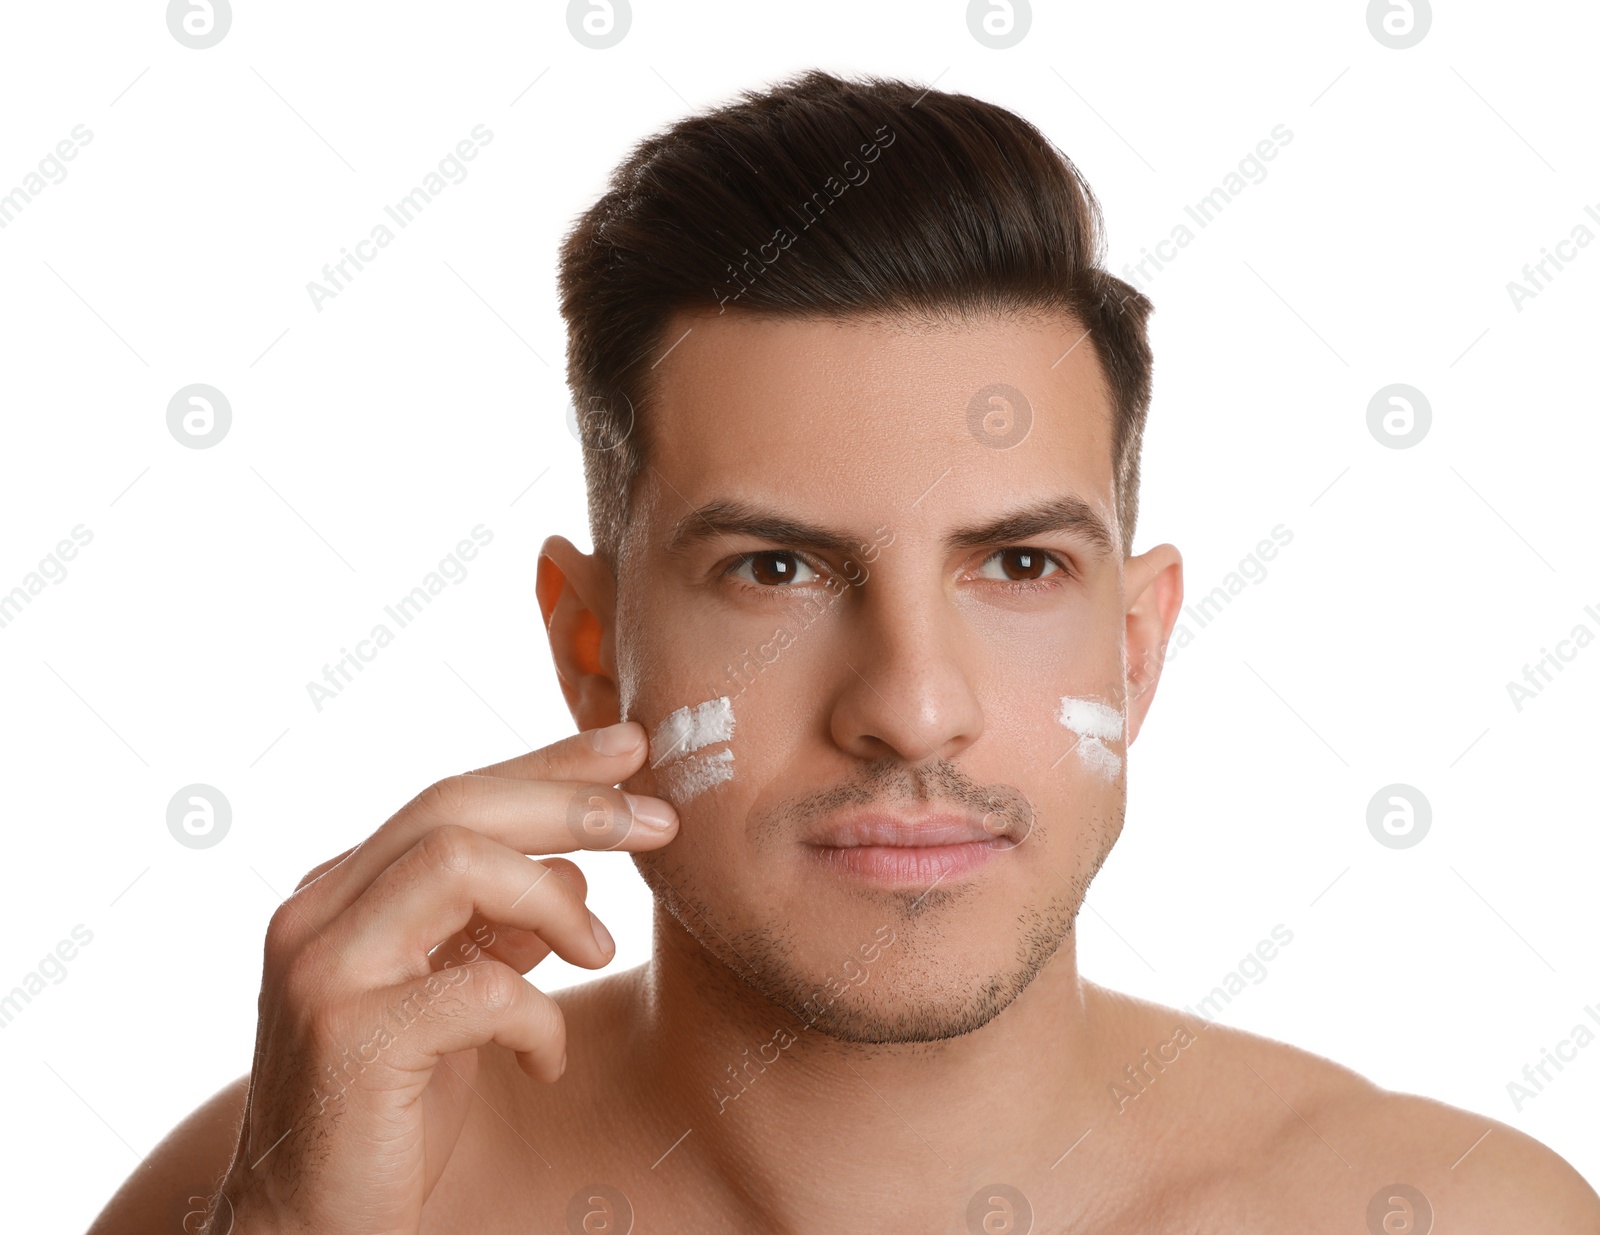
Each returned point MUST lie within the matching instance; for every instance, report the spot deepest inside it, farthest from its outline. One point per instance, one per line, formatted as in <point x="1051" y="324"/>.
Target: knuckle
<point x="447" y="849"/>
<point x="571" y="875"/>
<point x="449" y="798"/>
<point x="283" y="931"/>
<point x="495" y="986"/>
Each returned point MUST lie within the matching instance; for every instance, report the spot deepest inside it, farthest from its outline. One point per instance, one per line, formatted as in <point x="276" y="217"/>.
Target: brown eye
<point x="773" y="568"/>
<point x="1021" y="565"/>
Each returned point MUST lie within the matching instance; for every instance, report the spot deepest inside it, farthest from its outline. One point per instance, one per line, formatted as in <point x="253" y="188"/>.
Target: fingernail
<point x="563" y="1066"/>
<point x="616" y="739"/>
<point x="651" y="812"/>
<point x="601" y="935"/>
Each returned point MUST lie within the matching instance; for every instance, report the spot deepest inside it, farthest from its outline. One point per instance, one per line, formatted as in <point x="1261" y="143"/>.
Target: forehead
<point x="871" y="420"/>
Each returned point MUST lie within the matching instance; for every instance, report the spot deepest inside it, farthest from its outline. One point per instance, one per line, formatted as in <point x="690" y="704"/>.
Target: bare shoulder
<point x="1266" y="1130"/>
<point x="169" y="1190"/>
<point x="1480" y="1175"/>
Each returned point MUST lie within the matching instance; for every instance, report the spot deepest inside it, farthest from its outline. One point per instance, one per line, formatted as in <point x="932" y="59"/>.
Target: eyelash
<point x="761" y="589"/>
<point x="1062" y="573"/>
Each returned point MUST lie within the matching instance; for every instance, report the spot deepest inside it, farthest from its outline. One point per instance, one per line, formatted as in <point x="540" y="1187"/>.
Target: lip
<point x="880" y="828"/>
<point x="902" y="850"/>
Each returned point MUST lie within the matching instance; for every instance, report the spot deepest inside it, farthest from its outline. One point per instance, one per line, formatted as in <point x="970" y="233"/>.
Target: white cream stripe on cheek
<point x="685" y="775"/>
<point x="1095" y="724"/>
<point x="694" y="774"/>
<point x="690" y="728"/>
<point x="1099" y="758"/>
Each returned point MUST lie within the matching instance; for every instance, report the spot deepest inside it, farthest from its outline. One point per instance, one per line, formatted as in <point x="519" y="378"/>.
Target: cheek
<point x="690" y="729"/>
<point x="1062" y="746"/>
<point x="683" y="780"/>
<point x="1066" y="692"/>
<point x="1095" y="728"/>
<point x="691" y="749"/>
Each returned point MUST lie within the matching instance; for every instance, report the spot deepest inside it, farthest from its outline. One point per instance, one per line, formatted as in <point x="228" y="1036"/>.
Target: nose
<point x="907" y="693"/>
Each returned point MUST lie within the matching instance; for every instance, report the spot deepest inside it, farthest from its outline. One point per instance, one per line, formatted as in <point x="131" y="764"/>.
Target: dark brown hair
<point x="829" y="197"/>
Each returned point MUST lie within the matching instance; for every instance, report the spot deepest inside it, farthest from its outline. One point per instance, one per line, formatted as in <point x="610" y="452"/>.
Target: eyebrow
<point x="1067" y="513"/>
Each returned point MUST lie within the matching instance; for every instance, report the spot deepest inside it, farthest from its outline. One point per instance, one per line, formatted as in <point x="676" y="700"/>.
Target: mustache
<point x="887" y="782"/>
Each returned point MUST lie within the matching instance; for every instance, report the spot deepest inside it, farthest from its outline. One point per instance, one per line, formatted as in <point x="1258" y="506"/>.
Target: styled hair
<point x="836" y="198"/>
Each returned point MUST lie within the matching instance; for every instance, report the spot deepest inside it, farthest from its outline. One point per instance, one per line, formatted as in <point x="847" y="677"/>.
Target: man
<point x="864" y="641"/>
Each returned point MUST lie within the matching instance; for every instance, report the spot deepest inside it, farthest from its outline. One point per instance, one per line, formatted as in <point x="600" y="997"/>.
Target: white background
<point x="370" y="437"/>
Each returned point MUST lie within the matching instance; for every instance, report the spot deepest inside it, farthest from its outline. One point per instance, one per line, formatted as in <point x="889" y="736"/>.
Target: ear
<point x="1153" y="586"/>
<point x="577" y="596"/>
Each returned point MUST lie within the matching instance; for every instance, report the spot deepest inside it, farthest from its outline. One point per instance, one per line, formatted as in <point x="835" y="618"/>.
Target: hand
<point x="395" y="961"/>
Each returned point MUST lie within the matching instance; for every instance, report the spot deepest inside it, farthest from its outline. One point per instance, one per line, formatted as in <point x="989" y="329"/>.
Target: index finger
<point x="593" y="754"/>
<point x="531" y="816"/>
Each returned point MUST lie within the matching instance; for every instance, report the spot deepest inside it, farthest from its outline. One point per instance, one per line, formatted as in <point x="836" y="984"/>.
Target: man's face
<point x="817" y="538"/>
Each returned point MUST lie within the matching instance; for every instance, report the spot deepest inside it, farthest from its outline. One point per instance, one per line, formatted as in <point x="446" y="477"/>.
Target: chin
<point x="904" y="1010"/>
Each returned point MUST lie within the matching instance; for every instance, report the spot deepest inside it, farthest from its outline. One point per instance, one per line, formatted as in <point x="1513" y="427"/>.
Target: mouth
<point x="908" y="851"/>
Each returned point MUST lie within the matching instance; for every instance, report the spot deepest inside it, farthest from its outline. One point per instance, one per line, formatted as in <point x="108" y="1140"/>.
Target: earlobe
<point x="1153" y="584"/>
<point x="576" y="596"/>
